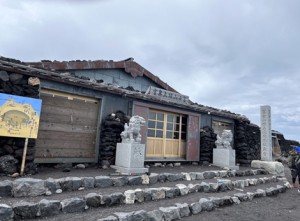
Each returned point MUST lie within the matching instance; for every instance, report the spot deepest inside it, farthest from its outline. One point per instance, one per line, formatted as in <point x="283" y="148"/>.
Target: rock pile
<point x="247" y="143"/>
<point x="286" y="145"/>
<point x="207" y="141"/>
<point x="11" y="150"/>
<point x="18" y="84"/>
<point x="111" y="128"/>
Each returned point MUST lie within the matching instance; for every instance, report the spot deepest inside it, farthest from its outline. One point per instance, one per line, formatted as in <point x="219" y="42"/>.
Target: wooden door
<point x="166" y="137"/>
<point x="68" y="128"/>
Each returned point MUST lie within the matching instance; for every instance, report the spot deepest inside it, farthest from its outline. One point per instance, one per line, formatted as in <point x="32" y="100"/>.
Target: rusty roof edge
<point x="98" y="86"/>
<point x="128" y="65"/>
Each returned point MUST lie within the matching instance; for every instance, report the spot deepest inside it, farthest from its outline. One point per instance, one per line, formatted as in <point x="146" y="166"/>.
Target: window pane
<point x="160" y="125"/>
<point x="159" y="133"/>
<point x="152" y="115"/>
<point x="160" y="116"/>
<point x="151" y="124"/>
<point x="169" y="134"/>
<point x="151" y="133"/>
<point x="183" y="136"/>
<point x="183" y="128"/>
<point x="169" y="126"/>
<point x="170" y="118"/>
<point x="176" y="135"/>
<point x="177" y="119"/>
<point x="184" y="120"/>
<point x="177" y="127"/>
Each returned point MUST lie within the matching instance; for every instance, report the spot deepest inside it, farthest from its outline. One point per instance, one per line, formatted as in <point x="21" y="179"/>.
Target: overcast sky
<point x="229" y="54"/>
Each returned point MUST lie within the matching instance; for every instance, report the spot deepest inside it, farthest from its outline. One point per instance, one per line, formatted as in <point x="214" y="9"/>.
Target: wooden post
<point x="24" y="157"/>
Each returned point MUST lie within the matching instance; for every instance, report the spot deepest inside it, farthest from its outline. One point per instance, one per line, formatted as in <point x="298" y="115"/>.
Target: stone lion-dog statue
<point x="131" y="133"/>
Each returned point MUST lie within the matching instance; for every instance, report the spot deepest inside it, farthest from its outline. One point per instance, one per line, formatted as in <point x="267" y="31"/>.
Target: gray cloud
<point x="234" y="55"/>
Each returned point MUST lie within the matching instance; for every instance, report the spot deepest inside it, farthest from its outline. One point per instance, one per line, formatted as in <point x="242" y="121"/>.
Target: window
<point x="166" y="125"/>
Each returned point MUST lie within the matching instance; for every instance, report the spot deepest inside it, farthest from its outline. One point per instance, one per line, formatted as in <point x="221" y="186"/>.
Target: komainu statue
<point x="131" y="133"/>
<point x="225" y="140"/>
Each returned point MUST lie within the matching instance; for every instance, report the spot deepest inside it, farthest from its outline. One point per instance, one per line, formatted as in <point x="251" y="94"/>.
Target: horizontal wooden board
<point x="67" y="144"/>
<point x="66" y="153"/>
<point x="69" y="119"/>
<point x="67" y="128"/>
<point x="65" y="102"/>
<point x="89" y="110"/>
<point x="58" y="135"/>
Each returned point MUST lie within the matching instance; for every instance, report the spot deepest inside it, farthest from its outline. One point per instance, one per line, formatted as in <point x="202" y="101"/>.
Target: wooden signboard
<point x="19" y="116"/>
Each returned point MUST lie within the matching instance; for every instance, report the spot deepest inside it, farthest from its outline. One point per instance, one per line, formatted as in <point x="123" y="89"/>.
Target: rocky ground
<point x="283" y="206"/>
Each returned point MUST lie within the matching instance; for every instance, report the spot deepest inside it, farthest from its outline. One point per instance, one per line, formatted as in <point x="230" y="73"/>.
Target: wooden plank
<point x="64" y="160"/>
<point x="168" y="147"/>
<point x="176" y="148"/>
<point x="56" y="135"/>
<point x="183" y="149"/>
<point x="67" y="153"/>
<point x="66" y="144"/>
<point x="64" y="110"/>
<point x="65" y="102"/>
<point x="158" y="148"/>
<point x="143" y="112"/>
<point x="46" y="92"/>
<point x="67" y="128"/>
<point x="150" y="147"/>
<point x="68" y="119"/>
<point x="193" y="138"/>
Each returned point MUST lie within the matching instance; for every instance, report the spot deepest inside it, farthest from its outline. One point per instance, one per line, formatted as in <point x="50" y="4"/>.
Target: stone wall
<point x="111" y="129"/>
<point x="247" y="142"/>
<point x="11" y="149"/>
<point x="207" y="143"/>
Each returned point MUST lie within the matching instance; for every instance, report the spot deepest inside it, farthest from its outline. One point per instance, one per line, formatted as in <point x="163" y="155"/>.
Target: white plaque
<point x="167" y="95"/>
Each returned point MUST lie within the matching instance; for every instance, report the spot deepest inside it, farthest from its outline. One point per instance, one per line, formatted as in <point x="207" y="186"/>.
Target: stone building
<point x="86" y="103"/>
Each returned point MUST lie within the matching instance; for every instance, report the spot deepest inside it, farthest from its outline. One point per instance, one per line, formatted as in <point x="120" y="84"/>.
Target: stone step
<point x="46" y="208"/>
<point x="30" y="187"/>
<point x="181" y="210"/>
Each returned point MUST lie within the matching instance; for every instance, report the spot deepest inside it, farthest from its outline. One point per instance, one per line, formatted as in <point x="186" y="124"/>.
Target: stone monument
<point x="130" y="154"/>
<point x="265" y="133"/>
<point x="224" y="155"/>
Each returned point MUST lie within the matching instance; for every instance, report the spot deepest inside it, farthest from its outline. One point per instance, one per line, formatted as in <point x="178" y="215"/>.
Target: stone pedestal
<point x="130" y="158"/>
<point x="224" y="158"/>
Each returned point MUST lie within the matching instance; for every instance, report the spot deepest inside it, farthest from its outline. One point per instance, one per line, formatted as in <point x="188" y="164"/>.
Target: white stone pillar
<point x="265" y="133"/>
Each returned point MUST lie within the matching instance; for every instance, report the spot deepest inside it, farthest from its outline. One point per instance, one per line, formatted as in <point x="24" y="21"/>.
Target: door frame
<point x="193" y="136"/>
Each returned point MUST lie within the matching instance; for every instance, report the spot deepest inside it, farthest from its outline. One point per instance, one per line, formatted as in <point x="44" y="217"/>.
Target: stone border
<point x="46" y="208"/>
<point x="24" y="187"/>
<point x="181" y="210"/>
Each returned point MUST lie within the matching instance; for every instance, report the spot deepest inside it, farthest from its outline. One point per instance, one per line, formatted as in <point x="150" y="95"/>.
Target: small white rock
<point x="80" y="166"/>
